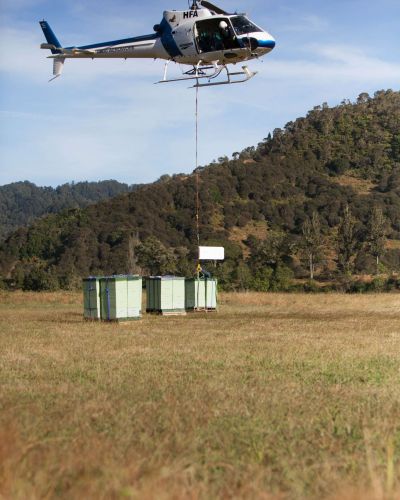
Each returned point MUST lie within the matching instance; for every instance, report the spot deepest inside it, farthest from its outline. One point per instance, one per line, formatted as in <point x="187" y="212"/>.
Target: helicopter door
<point x="215" y="36"/>
<point x="183" y="36"/>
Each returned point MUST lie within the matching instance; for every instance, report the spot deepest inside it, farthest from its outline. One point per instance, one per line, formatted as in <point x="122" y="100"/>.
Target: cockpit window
<point x="243" y="26"/>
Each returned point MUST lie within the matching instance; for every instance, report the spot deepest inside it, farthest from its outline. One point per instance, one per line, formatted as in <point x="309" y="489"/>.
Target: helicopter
<point x="204" y="37"/>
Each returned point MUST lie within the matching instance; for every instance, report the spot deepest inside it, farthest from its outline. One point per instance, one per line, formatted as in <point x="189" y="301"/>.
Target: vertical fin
<point x="50" y="36"/>
<point x="58" y="66"/>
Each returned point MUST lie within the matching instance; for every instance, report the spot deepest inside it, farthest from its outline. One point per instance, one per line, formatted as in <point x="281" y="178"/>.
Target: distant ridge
<point x="22" y="202"/>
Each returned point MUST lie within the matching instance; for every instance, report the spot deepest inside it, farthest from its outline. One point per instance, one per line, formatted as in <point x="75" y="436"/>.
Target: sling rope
<point x="197" y="296"/>
<point x="197" y="170"/>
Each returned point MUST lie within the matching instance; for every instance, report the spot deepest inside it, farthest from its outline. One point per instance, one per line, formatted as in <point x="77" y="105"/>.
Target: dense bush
<point x="23" y="202"/>
<point x="333" y="162"/>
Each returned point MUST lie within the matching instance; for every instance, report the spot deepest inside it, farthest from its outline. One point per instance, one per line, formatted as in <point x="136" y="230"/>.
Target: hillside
<point x="23" y="202"/>
<point x="258" y="205"/>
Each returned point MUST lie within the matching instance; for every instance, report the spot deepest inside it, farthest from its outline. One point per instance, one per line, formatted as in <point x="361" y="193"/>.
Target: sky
<point x="105" y="119"/>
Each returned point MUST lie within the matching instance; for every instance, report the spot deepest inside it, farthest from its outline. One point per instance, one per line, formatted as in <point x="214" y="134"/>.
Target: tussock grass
<point x="276" y="396"/>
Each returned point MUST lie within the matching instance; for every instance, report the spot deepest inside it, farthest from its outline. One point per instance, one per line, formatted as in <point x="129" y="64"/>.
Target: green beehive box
<point x="165" y="294"/>
<point x="149" y="295"/>
<point x="120" y="298"/>
<point x="91" y="298"/>
<point x="201" y="294"/>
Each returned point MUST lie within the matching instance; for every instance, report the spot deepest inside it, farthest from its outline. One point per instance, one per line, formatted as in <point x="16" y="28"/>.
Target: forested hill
<point x="22" y="202"/>
<point x="321" y="196"/>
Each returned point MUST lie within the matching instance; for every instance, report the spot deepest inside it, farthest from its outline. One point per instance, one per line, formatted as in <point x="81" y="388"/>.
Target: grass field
<point x="276" y="396"/>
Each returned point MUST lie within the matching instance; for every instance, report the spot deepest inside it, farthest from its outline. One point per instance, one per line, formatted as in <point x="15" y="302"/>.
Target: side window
<point x="213" y="35"/>
<point x="203" y="37"/>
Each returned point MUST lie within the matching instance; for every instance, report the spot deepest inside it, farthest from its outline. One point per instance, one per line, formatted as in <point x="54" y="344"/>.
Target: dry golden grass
<point x="276" y="396"/>
<point x="393" y="244"/>
<point x="238" y="235"/>
<point x="360" y="186"/>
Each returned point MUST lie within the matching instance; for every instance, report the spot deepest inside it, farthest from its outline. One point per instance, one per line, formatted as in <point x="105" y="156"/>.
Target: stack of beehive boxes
<point x="201" y="294"/>
<point x="165" y="295"/>
<point x="119" y="298"/>
<point x="113" y="298"/>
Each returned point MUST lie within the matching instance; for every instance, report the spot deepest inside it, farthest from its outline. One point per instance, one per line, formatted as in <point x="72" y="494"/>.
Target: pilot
<point x="224" y="29"/>
<point x="226" y="35"/>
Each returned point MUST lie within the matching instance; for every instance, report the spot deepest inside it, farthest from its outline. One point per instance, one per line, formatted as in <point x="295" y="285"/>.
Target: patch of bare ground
<point x="275" y="396"/>
<point x="259" y="229"/>
<point x="393" y="244"/>
<point x="360" y="186"/>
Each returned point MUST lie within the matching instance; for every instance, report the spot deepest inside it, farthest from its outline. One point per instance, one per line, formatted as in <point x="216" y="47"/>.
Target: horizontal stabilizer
<point x="48" y="46"/>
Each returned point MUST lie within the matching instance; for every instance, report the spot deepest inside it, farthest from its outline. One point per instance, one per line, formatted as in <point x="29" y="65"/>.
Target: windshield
<point x="243" y="26"/>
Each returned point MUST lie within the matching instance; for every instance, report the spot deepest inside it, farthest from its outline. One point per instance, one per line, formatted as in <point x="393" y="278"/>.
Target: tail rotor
<point x="55" y="47"/>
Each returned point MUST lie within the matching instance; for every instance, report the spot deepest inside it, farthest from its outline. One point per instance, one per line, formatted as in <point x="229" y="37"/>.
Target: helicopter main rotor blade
<point x="210" y="6"/>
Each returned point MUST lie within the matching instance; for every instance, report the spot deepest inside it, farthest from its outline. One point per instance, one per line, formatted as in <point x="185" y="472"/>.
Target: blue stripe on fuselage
<point x="168" y="41"/>
<point x="143" y="38"/>
<point x="266" y="44"/>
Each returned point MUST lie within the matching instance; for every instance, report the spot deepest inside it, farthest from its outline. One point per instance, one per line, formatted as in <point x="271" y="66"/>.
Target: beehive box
<point x="201" y="294"/>
<point x="150" y="293"/>
<point x="91" y="298"/>
<point x="165" y="295"/>
<point x="120" y="298"/>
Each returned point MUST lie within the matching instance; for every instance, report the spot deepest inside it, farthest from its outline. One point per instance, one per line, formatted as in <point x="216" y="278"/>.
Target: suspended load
<point x="201" y="294"/>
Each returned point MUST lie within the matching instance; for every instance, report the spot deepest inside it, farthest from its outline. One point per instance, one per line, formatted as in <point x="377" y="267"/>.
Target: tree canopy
<point x="23" y="202"/>
<point x="256" y="205"/>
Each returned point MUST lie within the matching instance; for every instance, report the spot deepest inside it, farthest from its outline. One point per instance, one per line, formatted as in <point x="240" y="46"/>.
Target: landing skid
<point x="210" y="73"/>
<point x="248" y="75"/>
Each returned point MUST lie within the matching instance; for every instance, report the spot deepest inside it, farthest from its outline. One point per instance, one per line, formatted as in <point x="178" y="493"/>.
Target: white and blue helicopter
<point x="204" y="37"/>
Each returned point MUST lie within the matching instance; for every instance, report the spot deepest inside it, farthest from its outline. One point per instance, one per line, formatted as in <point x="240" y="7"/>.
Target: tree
<point x="261" y="281"/>
<point x="184" y="265"/>
<point x="363" y="98"/>
<point x="38" y="278"/>
<point x="347" y="242"/>
<point x="312" y="241"/>
<point x="243" y="276"/>
<point x="338" y="166"/>
<point x="133" y="241"/>
<point x="268" y="252"/>
<point x="155" y="258"/>
<point x="377" y="234"/>
<point x="281" y="279"/>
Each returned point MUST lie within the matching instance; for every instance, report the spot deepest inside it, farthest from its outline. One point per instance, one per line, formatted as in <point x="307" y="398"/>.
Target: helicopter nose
<point x="267" y="43"/>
